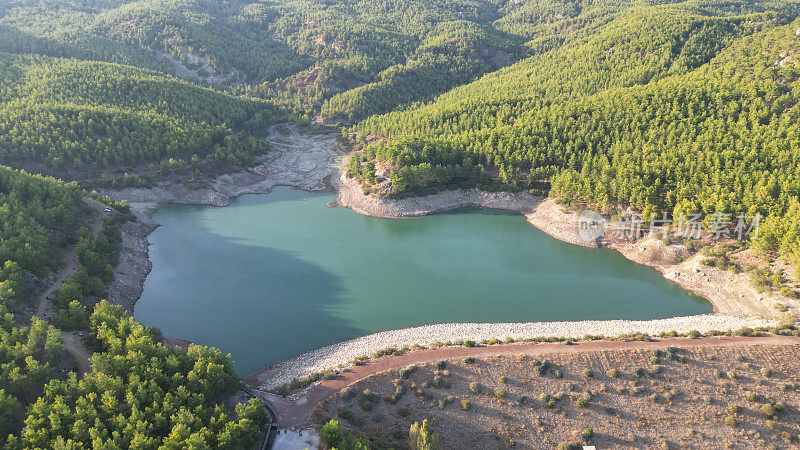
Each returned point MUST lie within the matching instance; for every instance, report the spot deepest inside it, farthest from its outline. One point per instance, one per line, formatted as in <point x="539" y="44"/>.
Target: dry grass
<point x="741" y="397"/>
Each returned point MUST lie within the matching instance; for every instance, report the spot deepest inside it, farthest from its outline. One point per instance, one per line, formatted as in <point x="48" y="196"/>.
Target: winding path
<point x="70" y="261"/>
<point x="72" y="343"/>
<point x="296" y="411"/>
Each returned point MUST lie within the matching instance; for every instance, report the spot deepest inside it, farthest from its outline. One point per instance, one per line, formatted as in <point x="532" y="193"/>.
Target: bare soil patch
<point x="736" y="396"/>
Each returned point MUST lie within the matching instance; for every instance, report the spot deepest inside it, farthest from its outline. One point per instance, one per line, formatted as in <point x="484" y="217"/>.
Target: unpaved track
<point x="74" y="346"/>
<point x="297" y="411"/>
<point x="72" y="343"/>
<point x="70" y="261"/>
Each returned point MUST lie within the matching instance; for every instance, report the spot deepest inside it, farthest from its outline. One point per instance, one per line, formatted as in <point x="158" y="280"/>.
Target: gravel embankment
<point x="343" y="352"/>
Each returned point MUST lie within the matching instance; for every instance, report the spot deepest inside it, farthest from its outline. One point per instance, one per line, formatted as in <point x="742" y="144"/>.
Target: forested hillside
<point x="38" y="216"/>
<point x="347" y="59"/>
<point x="685" y="107"/>
<point x="140" y="393"/>
<point x="665" y="106"/>
<point x="64" y="115"/>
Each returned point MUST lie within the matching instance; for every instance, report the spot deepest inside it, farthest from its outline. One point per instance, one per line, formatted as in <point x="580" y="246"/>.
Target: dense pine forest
<point x="675" y="108"/>
<point x="666" y="106"/>
<point x="139" y="393"/>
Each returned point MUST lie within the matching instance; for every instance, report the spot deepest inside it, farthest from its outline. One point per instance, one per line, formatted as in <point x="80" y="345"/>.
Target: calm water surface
<point x="272" y="276"/>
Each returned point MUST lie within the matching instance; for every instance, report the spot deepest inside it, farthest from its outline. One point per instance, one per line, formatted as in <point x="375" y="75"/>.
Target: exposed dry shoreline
<point x="730" y="294"/>
<point x="302" y="161"/>
<point x="309" y="162"/>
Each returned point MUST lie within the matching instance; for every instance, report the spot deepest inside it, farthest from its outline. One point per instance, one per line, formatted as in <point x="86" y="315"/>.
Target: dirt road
<point x="296" y="411"/>
<point x="46" y="300"/>
<point x="74" y="346"/>
<point x="70" y="262"/>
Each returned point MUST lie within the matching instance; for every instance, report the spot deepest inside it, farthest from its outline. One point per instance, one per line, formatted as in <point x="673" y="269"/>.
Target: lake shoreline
<point x="308" y="162"/>
<point x="729" y="294"/>
<point x="301" y="161"/>
<point x="342" y="354"/>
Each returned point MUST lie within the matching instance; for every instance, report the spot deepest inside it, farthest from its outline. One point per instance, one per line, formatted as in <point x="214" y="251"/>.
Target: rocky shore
<point x="300" y="160"/>
<point x="343" y="353"/>
<point x="540" y="212"/>
<point x="310" y="162"/>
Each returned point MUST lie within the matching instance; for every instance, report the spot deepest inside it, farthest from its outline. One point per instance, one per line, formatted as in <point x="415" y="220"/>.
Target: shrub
<point x="588" y="373"/>
<point x="638" y="371"/>
<point x="765" y="372"/>
<point x="360" y="360"/>
<point x="541" y="367"/>
<point x="465" y="405"/>
<point x="469" y="343"/>
<point x="768" y="410"/>
<point x="503" y="380"/>
<point x="475" y="388"/>
<point x="557" y="373"/>
<point x="366" y="405"/>
<point x="406" y="371"/>
<point x="733" y="409"/>
<point x="469" y="360"/>
<point x="500" y="392"/>
<point x="385" y="352"/>
<point x="332" y="432"/>
<point x="403" y="411"/>
<point x="730" y="421"/>
<point x="786" y="436"/>
<point x="770" y="424"/>
<point x="441" y="364"/>
<point x="613" y="373"/>
<point x="751" y="396"/>
<point x="582" y="401"/>
<point x="544" y="398"/>
<point x="422" y="437"/>
<point x="347" y="394"/>
<point x="587" y="434"/>
<point x="349" y="416"/>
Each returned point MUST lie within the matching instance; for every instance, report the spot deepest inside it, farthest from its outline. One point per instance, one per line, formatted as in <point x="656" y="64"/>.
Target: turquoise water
<point x="272" y="276"/>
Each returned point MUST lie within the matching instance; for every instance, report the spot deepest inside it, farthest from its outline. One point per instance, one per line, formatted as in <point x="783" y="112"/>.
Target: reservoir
<point x="272" y="276"/>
